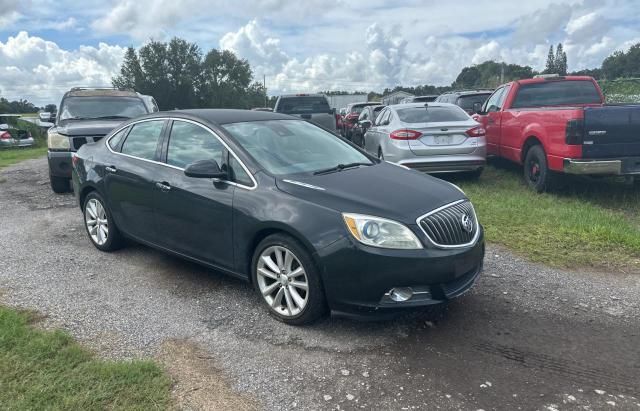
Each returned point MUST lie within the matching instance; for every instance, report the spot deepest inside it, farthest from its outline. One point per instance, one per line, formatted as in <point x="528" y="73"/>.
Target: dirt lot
<point x="526" y="337"/>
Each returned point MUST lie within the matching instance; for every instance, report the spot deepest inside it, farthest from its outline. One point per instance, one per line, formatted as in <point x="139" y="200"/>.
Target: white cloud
<point x="41" y="71"/>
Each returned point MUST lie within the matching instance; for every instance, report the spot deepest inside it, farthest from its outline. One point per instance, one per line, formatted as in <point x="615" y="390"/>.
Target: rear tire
<point x="60" y="185"/>
<point x="536" y="171"/>
<point x="285" y="298"/>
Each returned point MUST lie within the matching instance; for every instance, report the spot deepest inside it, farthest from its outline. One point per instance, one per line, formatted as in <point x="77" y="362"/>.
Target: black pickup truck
<point x="85" y="116"/>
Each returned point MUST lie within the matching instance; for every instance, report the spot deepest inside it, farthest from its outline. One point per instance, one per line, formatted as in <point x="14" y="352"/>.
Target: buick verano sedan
<point x="313" y="222"/>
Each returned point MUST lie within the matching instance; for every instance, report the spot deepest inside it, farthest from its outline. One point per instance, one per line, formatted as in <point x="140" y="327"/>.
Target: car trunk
<point x="611" y="131"/>
<point x="441" y="139"/>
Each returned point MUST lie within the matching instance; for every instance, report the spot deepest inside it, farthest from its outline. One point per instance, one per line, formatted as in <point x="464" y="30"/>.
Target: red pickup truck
<point x="553" y="124"/>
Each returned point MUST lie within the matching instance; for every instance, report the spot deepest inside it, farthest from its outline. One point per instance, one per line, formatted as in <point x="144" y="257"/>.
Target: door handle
<point x="163" y="186"/>
<point x="111" y="169"/>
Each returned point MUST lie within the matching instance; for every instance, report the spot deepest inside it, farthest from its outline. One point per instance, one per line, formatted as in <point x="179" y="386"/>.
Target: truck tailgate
<point x="611" y="131"/>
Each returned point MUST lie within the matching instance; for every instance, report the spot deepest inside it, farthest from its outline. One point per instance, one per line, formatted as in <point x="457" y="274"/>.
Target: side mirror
<point x="204" y="169"/>
<point x="477" y="107"/>
<point x="332" y="111"/>
<point x="365" y="123"/>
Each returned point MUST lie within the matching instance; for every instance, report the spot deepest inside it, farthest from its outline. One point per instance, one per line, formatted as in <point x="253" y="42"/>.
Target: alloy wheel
<point x="95" y="217"/>
<point x="282" y="281"/>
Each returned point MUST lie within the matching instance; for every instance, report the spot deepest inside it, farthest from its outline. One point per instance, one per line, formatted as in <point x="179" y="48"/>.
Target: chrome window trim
<point x="299" y="183"/>
<point x="255" y="183"/>
<point x="473" y="241"/>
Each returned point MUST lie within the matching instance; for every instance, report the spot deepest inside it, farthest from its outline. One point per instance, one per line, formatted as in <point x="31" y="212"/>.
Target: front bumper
<point x="446" y="164"/>
<point x="358" y="279"/>
<point x="59" y="163"/>
<point x="614" y="166"/>
<point x="10" y="143"/>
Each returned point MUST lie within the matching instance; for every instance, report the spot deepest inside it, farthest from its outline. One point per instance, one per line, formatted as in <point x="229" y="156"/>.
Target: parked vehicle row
<point x="11" y="135"/>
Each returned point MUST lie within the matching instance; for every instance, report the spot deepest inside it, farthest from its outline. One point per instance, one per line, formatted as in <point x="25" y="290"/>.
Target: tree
<point x="560" y="61"/>
<point x="131" y="75"/>
<point x="469" y="77"/>
<point x="622" y="64"/>
<point x="225" y="80"/>
<point x="50" y="108"/>
<point x="550" y="67"/>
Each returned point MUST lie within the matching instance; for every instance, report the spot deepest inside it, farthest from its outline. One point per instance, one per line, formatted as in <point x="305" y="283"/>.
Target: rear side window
<point x="189" y="143"/>
<point x="384" y="116"/>
<point x="114" y="142"/>
<point x="432" y="114"/>
<point x="142" y="140"/>
<point x="557" y="93"/>
<point x="303" y="105"/>
<point x="467" y="102"/>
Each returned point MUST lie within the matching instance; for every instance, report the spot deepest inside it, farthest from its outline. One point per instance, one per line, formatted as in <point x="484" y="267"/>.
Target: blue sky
<point x="48" y="46"/>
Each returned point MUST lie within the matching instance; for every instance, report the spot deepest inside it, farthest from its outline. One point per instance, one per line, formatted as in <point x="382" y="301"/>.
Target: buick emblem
<point x="467" y="223"/>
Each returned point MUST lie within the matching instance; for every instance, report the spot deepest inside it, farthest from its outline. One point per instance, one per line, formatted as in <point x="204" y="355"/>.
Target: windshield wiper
<point x="340" y="167"/>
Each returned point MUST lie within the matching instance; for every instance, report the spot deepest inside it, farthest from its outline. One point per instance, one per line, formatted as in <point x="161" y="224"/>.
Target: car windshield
<point x="432" y="114"/>
<point x="303" y="105"/>
<point x="101" y="107"/>
<point x="284" y="147"/>
<point x="557" y="93"/>
<point x="467" y="102"/>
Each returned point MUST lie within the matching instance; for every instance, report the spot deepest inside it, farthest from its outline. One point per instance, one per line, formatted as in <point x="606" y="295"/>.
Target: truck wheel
<point x="536" y="172"/>
<point x="60" y="185"/>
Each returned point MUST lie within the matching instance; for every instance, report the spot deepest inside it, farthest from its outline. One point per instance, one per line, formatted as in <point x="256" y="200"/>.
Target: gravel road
<point x="526" y="337"/>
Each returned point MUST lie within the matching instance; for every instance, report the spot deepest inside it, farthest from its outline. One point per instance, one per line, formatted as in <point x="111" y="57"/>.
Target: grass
<point x="48" y="370"/>
<point x="585" y="223"/>
<point x="15" y="155"/>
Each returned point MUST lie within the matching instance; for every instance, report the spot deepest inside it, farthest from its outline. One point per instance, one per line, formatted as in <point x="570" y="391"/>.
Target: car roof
<point x="471" y="92"/>
<point x="552" y="79"/>
<point x="225" y="116"/>
<point x="302" y="95"/>
<point x="422" y="104"/>
<point x="364" y="103"/>
<point x="101" y="93"/>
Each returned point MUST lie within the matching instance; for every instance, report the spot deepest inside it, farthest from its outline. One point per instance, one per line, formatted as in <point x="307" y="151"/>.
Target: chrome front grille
<point x="454" y="225"/>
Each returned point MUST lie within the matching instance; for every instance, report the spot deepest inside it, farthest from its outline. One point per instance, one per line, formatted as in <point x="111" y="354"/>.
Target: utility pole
<point x="264" y="86"/>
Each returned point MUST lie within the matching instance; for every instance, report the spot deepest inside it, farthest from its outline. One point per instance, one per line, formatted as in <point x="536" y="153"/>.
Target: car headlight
<point x="380" y="232"/>
<point x="57" y="141"/>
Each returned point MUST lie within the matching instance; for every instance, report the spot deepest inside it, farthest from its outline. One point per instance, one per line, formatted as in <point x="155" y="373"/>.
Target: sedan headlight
<point x="57" y="141"/>
<point x="380" y="232"/>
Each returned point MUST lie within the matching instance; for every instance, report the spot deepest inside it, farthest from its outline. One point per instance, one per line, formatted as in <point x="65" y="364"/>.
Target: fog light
<point x="401" y="294"/>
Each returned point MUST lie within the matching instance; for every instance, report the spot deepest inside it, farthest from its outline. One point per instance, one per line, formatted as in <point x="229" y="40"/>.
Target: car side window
<point x="142" y="140"/>
<point x="503" y="96"/>
<point x="383" y="117"/>
<point x="189" y="143"/>
<point x="364" y="115"/>
<point x="116" y="139"/>
<point x="237" y="172"/>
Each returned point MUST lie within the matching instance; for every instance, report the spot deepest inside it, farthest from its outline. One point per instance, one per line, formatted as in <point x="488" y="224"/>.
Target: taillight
<point x="476" y="132"/>
<point x="575" y="131"/>
<point x="405" y="135"/>
<point x="5" y="135"/>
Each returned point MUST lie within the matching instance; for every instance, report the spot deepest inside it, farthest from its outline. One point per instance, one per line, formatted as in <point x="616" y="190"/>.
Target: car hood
<point x="87" y="127"/>
<point x="382" y="190"/>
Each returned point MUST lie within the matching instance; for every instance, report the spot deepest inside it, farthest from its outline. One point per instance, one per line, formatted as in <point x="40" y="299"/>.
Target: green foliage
<point x="621" y="90"/>
<point x="16" y="106"/>
<point x="177" y="76"/>
<point x="50" y="108"/>
<point x="16" y="155"/>
<point x="490" y="74"/>
<point x="556" y="63"/>
<point x="48" y="370"/>
<point x="622" y="64"/>
<point x="550" y="67"/>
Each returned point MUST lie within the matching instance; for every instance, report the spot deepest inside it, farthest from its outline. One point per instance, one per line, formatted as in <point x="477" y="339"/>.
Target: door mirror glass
<point x="365" y="123"/>
<point x="204" y="169"/>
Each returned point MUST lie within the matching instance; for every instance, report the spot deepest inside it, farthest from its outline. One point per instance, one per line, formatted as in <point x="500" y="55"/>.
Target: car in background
<point x="554" y="124"/>
<point x="86" y="115"/>
<point x="429" y="137"/>
<point x="467" y="99"/>
<point x="367" y="117"/>
<point x="262" y="109"/>
<point x="45" y="116"/>
<point x="11" y="135"/>
<point x="311" y="107"/>
<point x="285" y="205"/>
<point x="340" y="118"/>
<point x="419" y="99"/>
<point x="352" y="113"/>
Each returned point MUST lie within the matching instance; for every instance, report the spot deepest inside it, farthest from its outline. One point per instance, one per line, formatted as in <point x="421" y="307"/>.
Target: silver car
<point x="430" y="137"/>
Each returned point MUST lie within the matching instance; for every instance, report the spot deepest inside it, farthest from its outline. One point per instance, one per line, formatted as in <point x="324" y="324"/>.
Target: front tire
<point x="98" y="222"/>
<point x="60" y="185"/>
<point x="536" y="171"/>
<point x="287" y="281"/>
<point x="380" y="154"/>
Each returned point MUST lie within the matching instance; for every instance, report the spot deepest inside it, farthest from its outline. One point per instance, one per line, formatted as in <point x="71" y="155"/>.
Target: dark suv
<point x="85" y="116"/>
<point x="465" y="98"/>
